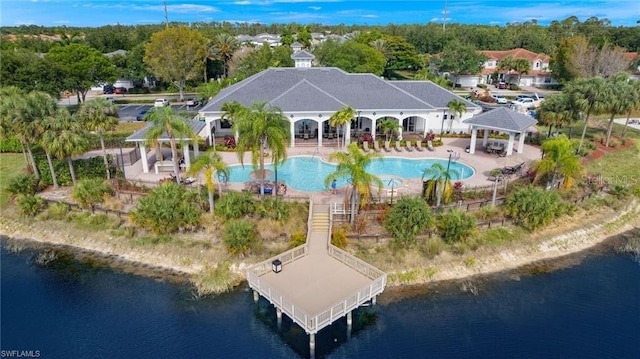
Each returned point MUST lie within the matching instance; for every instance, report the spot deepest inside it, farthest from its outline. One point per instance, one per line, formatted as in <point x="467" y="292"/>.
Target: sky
<point x="94" y="13"/>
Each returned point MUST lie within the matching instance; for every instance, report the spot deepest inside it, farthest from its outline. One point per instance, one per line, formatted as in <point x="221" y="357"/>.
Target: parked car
<point x="141" y="115"/>
<point x="161" y="102"/>
<point x="108" y="89"/>
<point x="120" y="90"/>
<point x="526" y="102"/>
<point x="192" y="102"/>
<point x="502" y="85"/>
<point x="500" y="99"/>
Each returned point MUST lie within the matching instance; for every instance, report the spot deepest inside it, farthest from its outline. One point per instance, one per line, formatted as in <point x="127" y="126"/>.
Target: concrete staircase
<point x="319" y="237"/>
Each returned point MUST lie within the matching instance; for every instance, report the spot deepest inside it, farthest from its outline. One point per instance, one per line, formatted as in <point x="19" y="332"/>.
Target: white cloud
<point x="371" y="16"/>
<point x="316" y="8"/>
<point x="62" y="22"/>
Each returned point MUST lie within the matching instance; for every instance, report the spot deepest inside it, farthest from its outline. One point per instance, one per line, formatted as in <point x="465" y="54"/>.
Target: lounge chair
<point x="398" y="148"/>
<point x="419" y="146"/>
<point x="365" y="146"/>
<point x="430" y="146"/>
<point x="408" y="146"/>
<point x="387" y="146"/>
<point x="376" y="146"/>
<point x="510" y="170"/>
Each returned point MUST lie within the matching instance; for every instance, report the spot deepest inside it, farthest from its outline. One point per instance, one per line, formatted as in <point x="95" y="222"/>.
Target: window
<point x="225" y="124"/>
<point x="409" y="124"/>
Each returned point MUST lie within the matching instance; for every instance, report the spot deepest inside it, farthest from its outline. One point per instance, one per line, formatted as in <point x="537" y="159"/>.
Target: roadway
<point x="128" y="112"/>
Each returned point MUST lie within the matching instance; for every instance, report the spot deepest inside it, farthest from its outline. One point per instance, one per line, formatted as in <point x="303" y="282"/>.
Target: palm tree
<point x="64" y="138"/>
<point x="621" y="99"/>
<point x="556" y="111"/>
<point x="352" y="165"/>
<point x="559" y="160"/>
<point x="39" y="108"/>
<point x="213" y="166"/>
<point x="635" y="100"/>
<point x="440" y="182"/>
<point x="224" y="46"/>
<point x="341" y="118"/>
<point x="100" y="115"/>
<point x="12" y="107"/>
<point x="521" y="66"/>
<point x="259" y="128"/>
<point x="165" y="123"/>
<point x="456" y="107"/>
<point x="587" y="95"/>
<point x="388" y="128"/>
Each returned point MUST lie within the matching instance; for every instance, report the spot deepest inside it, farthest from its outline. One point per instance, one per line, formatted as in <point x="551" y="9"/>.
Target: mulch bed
<point x="601" y="150"/>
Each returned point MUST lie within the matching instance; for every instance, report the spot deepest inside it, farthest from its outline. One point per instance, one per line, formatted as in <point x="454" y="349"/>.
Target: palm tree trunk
<point x="584" y="130"/>
<point x="609" y="129"/>
<point x="104" y="156"/>
<point x="72" y="171"/>
<point x="626" y="124"/>
<point x="550" y="127"/>
<point x="174" y="154"/>
<point x="354" y="205"/>
<point x="210" y="201"/>
<point x="439" y="194"/>
<point x="262" y="174"/>
<point x="26" y="158"/>
<point x="34" y="167"/>
<point x="53" y="172"/>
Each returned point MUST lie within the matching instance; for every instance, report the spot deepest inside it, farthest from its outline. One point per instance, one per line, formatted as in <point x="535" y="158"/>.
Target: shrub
<point x="456" y="226"/>
<point x="409" y="217"/>
<point x="273" y="209"/>
<point x="533" y="207"/>
<point x="614" y="143"/>
<point x="598" y="137"/>
<point x="239" y="236"/>
<point x="167" y="209"/>
<point x="23" y="184"/>
<point x="620" y="191"/>
<point x="297" y="239"/>
<point x="56" y="211"/>
<point x="30" y="205"/>
<point x="10" y="145"/>
<point x="89" y="192"/>
<point x="215" y="280"/>
<point x="84" y="168"/>
<point x="235" y="205"/>
<point x="339" y="237"/>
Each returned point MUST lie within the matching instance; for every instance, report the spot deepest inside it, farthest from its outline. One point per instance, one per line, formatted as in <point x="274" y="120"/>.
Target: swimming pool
<point x="307" y="174"/>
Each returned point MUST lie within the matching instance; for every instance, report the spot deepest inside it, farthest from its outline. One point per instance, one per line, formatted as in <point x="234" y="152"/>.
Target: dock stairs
<point x="319" y="234"/>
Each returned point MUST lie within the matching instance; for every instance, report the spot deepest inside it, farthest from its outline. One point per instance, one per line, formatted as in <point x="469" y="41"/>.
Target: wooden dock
<point x="319" y="283"/>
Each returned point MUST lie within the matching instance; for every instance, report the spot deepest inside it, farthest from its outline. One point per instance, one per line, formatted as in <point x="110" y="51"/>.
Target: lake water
<point x="74" y="310"/>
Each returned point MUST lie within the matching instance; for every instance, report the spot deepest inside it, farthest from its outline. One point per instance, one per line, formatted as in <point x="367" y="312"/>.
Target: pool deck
<point x="480" y="161"/>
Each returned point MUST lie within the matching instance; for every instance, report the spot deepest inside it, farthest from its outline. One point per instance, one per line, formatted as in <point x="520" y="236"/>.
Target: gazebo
<point x="139" y="138"/>
<point x="503" y="120"/>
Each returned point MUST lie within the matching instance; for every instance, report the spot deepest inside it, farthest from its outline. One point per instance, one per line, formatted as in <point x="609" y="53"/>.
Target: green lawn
<point x="10" y="164"/>
<point x="620" y="167"/>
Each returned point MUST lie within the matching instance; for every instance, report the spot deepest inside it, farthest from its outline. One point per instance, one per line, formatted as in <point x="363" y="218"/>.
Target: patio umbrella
<point x="260" y="174"/>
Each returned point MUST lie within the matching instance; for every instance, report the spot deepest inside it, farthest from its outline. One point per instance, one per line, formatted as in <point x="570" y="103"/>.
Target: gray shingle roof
<point x="139" y="136"/>
<point x="329" y="88"/>
<point x="302" y="55"/>
<point x="435" y="95"/>
<point x="503" y="119"/>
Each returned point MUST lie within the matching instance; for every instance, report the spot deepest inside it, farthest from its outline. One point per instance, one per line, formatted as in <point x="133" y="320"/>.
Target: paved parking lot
<point x="129" y="112"/>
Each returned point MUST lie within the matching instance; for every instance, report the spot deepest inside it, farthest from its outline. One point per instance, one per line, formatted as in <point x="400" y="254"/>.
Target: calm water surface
<point x="72" y="310"/>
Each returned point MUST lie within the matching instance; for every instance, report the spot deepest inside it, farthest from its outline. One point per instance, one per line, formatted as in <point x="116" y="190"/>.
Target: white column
<point x="292" y="133"/>
<point x="320" y="128"/>
<point x="474" y="135"/>
<point x="349" y="318"/>
<point x="485" y="139"/>
<point x="210" y="126"/>
<point x="521" y="142"/>
<point x="425" y="121"/>
<point x="312" y="345"/>
<point x="279" y="317"/>
<point x="347" y="134"/>
<point x="236" y="136"/>
<point x="373" y="128"/>
<point x="143" y="157"/>
<point x="196" y="149"/>
<point x="187" y="156"/>
<point x="510" y="144"/>
<point x="256" y="296"/>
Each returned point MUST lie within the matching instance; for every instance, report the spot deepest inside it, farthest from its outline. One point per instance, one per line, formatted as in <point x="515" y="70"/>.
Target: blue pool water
<point x="307" y="174"/>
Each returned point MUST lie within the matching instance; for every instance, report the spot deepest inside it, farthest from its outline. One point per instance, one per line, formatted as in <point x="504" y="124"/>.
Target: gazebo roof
<point x="503" y="119"/>
<point x="139" y="136"/>
<point x="302" y="55"/>
<point x="329" y="89"/>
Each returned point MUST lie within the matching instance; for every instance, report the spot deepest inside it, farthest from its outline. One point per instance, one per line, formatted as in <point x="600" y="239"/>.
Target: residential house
<point x="538" y="76"/>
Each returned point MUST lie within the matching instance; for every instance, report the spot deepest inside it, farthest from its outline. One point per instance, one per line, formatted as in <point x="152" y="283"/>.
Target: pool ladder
<point x="314" y="152"/>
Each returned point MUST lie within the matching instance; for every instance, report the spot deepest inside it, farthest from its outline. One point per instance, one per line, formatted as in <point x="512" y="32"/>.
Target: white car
<point x="500" y="99"/>
<point x="161" y="102"/>
<point x="192" y="102"/>
<point x="526" y="102"/>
